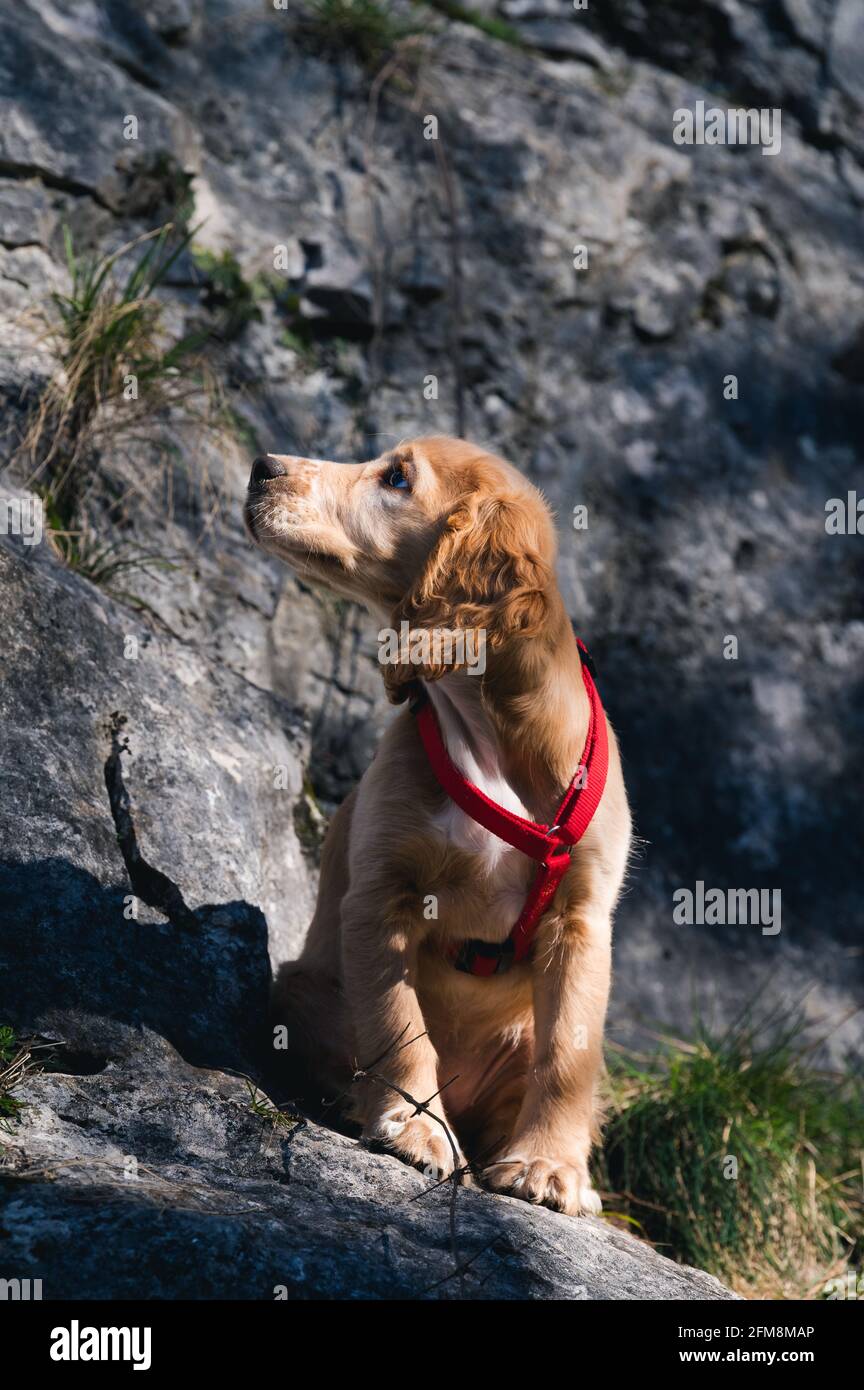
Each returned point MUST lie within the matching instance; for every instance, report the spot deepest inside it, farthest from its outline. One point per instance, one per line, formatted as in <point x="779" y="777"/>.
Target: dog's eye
<point x="395" y="477"/>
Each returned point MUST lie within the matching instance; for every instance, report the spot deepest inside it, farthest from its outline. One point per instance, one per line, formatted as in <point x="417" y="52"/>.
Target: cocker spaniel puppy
<point x="448" y="947"/>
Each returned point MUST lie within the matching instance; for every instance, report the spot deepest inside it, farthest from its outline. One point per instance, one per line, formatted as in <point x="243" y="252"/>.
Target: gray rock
<point x="123" y="749"/>
<point x="125" y="1129"/>
<point x="847" y="49"/>
<point x="70" y="144"/>
<point x="809" y="21"/>
<point x="26" y="213"/>
<point x="540" y="24"/>
<point x="336" y="290"/>
<point x="174" y="20"/>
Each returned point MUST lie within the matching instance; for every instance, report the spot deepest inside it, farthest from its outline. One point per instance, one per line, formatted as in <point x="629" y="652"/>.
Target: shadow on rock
<point x="69" y="945"/>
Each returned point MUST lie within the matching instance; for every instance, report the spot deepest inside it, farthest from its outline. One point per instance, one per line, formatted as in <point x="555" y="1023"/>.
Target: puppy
<point x="441" y="535"/>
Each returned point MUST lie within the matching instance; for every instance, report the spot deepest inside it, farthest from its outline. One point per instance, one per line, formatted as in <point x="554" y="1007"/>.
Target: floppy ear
<point x="486" y="574"/>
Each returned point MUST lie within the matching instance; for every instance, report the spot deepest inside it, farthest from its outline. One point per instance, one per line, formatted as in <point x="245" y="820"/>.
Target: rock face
<point x="114" y="742"/>
<point x="668" y="336"/>
<point x="175" y="1189"/>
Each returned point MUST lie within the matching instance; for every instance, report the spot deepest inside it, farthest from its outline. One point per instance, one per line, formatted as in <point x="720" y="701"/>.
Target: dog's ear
<point x="485" y="574"/>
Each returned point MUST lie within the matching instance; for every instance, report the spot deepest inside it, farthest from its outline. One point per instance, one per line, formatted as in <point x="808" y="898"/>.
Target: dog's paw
<point x="417" y="1139"/>
<point x="547" y="1182"/>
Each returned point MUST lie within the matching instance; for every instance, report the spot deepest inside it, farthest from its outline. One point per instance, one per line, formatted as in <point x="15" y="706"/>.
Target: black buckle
<point x="502" y="952"/>
<point x="587" y="660"/>
<point x="418" y="697"/>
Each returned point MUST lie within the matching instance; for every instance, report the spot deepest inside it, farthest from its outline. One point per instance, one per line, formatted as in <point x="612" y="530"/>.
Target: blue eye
<point x="395" y="477"/>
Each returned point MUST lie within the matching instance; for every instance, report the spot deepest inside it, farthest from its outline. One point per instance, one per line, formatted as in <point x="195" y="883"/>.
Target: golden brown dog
<point x="440" y="534"/>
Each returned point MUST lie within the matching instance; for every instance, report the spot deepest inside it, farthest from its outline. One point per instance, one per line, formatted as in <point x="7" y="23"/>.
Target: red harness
<point x="550" y="845"/>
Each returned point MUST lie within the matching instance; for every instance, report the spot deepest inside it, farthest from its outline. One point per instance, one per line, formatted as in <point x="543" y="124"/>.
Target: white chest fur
<point x="472" y="748"/>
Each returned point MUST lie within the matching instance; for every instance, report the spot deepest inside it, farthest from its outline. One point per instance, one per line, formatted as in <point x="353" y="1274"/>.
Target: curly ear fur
<point x="486" y="572"/>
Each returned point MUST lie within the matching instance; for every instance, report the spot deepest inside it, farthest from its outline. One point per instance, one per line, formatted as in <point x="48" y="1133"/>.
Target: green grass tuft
<point x="16" y="1062"/>
<point x="372" y="30"/>
<point x="368" y="29"/>
<point x="282" y="1121"/>
<point x="235" y="299"/>
<point x="491" y="25"/>
<point x="735" y="1155"/>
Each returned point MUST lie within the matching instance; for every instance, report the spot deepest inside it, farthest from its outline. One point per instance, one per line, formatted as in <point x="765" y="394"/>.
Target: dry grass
<point x="121" y="383"/>
<point x="734" y="1154"/>
<point x="17" y="1061"/>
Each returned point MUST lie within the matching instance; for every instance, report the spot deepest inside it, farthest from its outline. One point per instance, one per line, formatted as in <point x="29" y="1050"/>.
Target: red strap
<point x="549" y="845"/>
<point x="583" y="796"/>
<point x="542" y="891"/>
<point x="525" y="835"/>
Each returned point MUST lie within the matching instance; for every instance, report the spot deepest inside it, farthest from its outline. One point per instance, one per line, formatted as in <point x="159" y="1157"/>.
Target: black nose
<point x="265" y="468"/>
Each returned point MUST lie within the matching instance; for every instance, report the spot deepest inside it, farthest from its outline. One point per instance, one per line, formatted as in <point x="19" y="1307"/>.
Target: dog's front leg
<point x="546" y="1158"/>
<point x="379" y="966"/>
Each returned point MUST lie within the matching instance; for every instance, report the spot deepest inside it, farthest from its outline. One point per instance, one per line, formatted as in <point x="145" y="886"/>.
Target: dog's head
<point x="437" y="532"/>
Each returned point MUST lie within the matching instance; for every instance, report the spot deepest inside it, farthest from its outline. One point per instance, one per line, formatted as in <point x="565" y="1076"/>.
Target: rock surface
<point x="250" y="699"/>
<point x="135" y="770"/>
<point x="175" y="1189"/>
